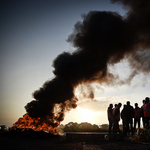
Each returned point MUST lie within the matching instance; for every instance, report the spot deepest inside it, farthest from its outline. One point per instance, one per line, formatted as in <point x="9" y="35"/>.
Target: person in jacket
<point x="142" y="113"/>
<point x="137" y="116"/>
<point x="129" y="115"/>
<point x="116" y="117"/>
<point x="110" y="116"/>
<point x="146" y="109"/>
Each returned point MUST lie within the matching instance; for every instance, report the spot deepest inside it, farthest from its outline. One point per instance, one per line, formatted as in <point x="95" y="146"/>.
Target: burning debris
<point x="36" y="124"/>
<point x="102" y="39"/>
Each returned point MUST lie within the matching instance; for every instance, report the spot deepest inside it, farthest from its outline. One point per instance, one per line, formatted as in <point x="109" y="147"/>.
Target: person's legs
<point x="139" y="123"/>
<point x="146" y="122"/>
<point x="127" y="126"/>
<point x="110" y="125"/>
<point x="148" y="119"/>
<point x="118" y="127"/>
<point x="135" y="122"/>
<point x="123" y="122"/>
<point x="131" y="124"/>
<point x="115" y="126"/>
<point x="143" y="120"/>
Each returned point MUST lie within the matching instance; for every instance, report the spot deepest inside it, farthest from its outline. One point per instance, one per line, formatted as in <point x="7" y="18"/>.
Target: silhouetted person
<point x="115" y="105"/>
<point x="129" y="115"/>
<point x="123" y="119"/>
<point x="142" y="114"/>
<point x="137" y="116"/>
<point x="146" y="109"/>
<point x="116" y="116"/>
<point x="110" y="116"/>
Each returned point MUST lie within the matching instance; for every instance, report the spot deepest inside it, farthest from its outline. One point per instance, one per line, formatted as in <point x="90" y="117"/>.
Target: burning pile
<point x="36" y="124"/>
<point x="102" y="39"/>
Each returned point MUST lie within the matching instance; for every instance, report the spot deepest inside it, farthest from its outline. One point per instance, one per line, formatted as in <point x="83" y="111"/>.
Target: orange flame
<point x="37" y="124"/>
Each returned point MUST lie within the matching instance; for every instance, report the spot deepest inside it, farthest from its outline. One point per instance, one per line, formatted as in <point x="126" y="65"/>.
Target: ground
<point x="61" y="143"/>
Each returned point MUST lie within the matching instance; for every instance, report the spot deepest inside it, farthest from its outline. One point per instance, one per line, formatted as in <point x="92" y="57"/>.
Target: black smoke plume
<point x="103" y="38"/>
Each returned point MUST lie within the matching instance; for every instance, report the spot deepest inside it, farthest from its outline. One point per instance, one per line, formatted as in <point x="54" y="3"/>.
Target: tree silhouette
<point x="84" y="127"/>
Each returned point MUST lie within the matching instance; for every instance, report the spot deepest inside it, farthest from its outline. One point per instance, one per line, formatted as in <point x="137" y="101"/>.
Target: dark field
<point x="61" y="143"/>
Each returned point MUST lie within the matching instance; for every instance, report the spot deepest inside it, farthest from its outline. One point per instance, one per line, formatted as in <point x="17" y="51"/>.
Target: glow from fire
<point x="37" y="124"/>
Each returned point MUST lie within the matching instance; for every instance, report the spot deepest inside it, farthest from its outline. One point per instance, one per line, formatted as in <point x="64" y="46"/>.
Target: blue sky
<point x="32" y="34"/>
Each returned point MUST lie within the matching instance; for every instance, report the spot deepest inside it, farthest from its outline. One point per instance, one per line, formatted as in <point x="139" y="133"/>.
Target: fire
<point x="37" y="124"/>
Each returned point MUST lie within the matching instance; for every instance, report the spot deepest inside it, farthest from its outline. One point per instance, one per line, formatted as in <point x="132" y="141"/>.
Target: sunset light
<point x="86" y="115"/>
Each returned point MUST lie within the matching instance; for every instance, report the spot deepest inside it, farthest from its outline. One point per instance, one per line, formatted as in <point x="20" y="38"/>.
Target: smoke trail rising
<point x="101" y="39"/>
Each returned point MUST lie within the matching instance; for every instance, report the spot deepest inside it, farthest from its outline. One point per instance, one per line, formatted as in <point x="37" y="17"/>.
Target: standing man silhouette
<point x="142" y="113"/>
<point x="146" y="109"/>
<point x="116" y="116"/>
<point x="110" y="116"/>
<point x="129" y="114"/>
<point x="137" y="116"/>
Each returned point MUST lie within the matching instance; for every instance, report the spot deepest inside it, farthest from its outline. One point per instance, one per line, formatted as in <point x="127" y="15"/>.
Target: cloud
<point x="101" y="104"/>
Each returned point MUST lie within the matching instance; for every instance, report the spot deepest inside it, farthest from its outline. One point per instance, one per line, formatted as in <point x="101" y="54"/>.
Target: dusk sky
<point x="32" y="34"/>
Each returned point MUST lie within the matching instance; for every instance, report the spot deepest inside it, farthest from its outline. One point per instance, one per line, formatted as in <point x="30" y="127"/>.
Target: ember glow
<point x="37" y="124"/>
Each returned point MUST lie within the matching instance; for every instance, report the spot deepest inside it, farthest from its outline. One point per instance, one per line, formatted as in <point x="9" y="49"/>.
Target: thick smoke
<point x="86" y="92"/>
<point x="102" y="39"/>
<point x="138" y="17"/>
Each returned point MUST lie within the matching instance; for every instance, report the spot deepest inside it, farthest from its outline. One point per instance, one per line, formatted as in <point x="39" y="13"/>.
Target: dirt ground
<point x="61" y="143"/>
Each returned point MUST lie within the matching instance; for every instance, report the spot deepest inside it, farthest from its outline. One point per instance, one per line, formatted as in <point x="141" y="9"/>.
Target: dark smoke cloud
<point x="57" y="91"/>
<point x="102" y="39"/>
<point x="140" y="60"/>
<point x="138" y="17"/>
<point x="86" y="92"/>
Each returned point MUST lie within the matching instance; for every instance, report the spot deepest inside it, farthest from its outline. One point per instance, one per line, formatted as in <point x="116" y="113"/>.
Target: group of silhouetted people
<point x="128" y="114"/>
